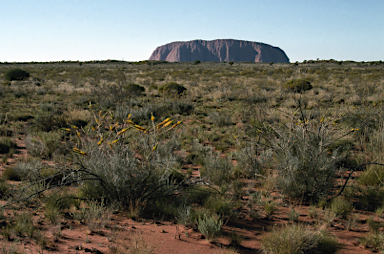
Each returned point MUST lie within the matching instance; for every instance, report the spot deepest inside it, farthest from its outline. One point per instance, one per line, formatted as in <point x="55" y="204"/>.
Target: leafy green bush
<point x="297" y="239"/>
<point x="16" y="74"/>
<point x="298" y="85"/>
<point x="210" y="227"/>
<point x="172" y="88"/>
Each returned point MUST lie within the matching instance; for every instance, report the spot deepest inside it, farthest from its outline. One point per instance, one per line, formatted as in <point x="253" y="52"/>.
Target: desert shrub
<point x="269" y="207"/>
<point x="298" y="85"/>
<point x="371" y="197"/>
<point x="184" y="215"/>
<point x="297" y="239"/>
<point x="220" y="119"/>
<point x="220" y="205"/>
<point x="134" y="89"/>
<point x="6" y="144"/>
<point x="23" y="225"/>
<point x="78" y="118"/>
<point x="216" y="169"/>
<point x="306" y="168"/>
<point x="341" y="207"/>
<point x="34" y="145"/>
<point x="131" y="180"/>
<point x="24" y="170"/>
<point x="251" y="160"/>
<point x="210" y="227"/>
<point x="49" y="122"/>
<point x="372" y="176"/>
<point x="95" y="214"/>
<point x="196" y="62"/>
<point x="374" y="241"/>
<point x="172" y="88"/>
<point x="16" y="74"/>
<point x="52" y="142"/>
<point x="4" y="189"/>
<point x="293" y="215"/>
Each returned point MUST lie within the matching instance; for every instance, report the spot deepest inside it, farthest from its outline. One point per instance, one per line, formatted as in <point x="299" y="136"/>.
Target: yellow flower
<point x="101" y="141"/>
<point x="76" y="150"/>
<point x="152" y="118"/>
<point x="122" y="131"/>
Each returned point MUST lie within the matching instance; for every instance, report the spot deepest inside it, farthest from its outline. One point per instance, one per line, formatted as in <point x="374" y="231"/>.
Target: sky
<point x="84" y="30"/>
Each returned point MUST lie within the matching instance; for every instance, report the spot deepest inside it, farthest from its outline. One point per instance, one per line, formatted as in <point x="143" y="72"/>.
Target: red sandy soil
<point x="167" y="237"/>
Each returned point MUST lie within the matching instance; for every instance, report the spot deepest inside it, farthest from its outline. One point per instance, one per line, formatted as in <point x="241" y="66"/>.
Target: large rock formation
<point x="218" y="51"/>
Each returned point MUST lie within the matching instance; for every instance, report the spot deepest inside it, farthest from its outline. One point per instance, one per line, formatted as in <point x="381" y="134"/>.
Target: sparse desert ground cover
<point x="157" y="157"/>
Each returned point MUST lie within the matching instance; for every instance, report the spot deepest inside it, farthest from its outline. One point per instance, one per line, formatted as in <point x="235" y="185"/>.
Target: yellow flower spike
<point x="76" y="150"/>
<point x="122" y="131"/>
<point x="66" y="129"/>
<point x="152" y="118"/>
<point x="322" y="120"/>
<point x="176" y="124"/>
<point x="100" y="113"/>
<point x="163" y="122"/>
<point x="74" y="127"/>
<point x="115" y="141"/>
<point x="130" y="122"/>
<point x="139" y="127"/>
<point x="167" y="124"/>
<point x="100" y="141"/>
<point x="154" y="148"/>
<point x="129" y="116"/>
<point x="78" y="134"/>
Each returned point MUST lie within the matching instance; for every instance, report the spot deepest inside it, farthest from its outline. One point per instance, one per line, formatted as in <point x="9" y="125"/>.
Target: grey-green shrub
<point x="306" y="168"/>
<point x="216" y="169"/>
<point x="118" y="176"/>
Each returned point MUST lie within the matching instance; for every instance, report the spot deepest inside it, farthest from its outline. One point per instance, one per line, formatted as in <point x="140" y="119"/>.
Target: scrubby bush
<point x="341" y="207"/>
<point x="298" y="85"/>
<point x="307" y="168"/>
<point x="216" y="169"/>
<point x="6" y="144"/>
<point x="16" y="74"/>
<point x="172" y="88"/>
<point x="297" y="239"/>
<point x="134" y="89"/>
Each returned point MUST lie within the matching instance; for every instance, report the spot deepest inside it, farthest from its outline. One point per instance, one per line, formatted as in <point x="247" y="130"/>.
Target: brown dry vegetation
<point x="269" y="158"/>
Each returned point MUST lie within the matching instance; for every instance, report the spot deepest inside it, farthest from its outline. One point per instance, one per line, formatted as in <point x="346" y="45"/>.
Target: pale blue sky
<point x="55" y="30"/>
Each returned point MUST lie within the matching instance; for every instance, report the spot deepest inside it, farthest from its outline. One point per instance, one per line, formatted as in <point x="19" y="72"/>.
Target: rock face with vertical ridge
<point x="219" y="51"/>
